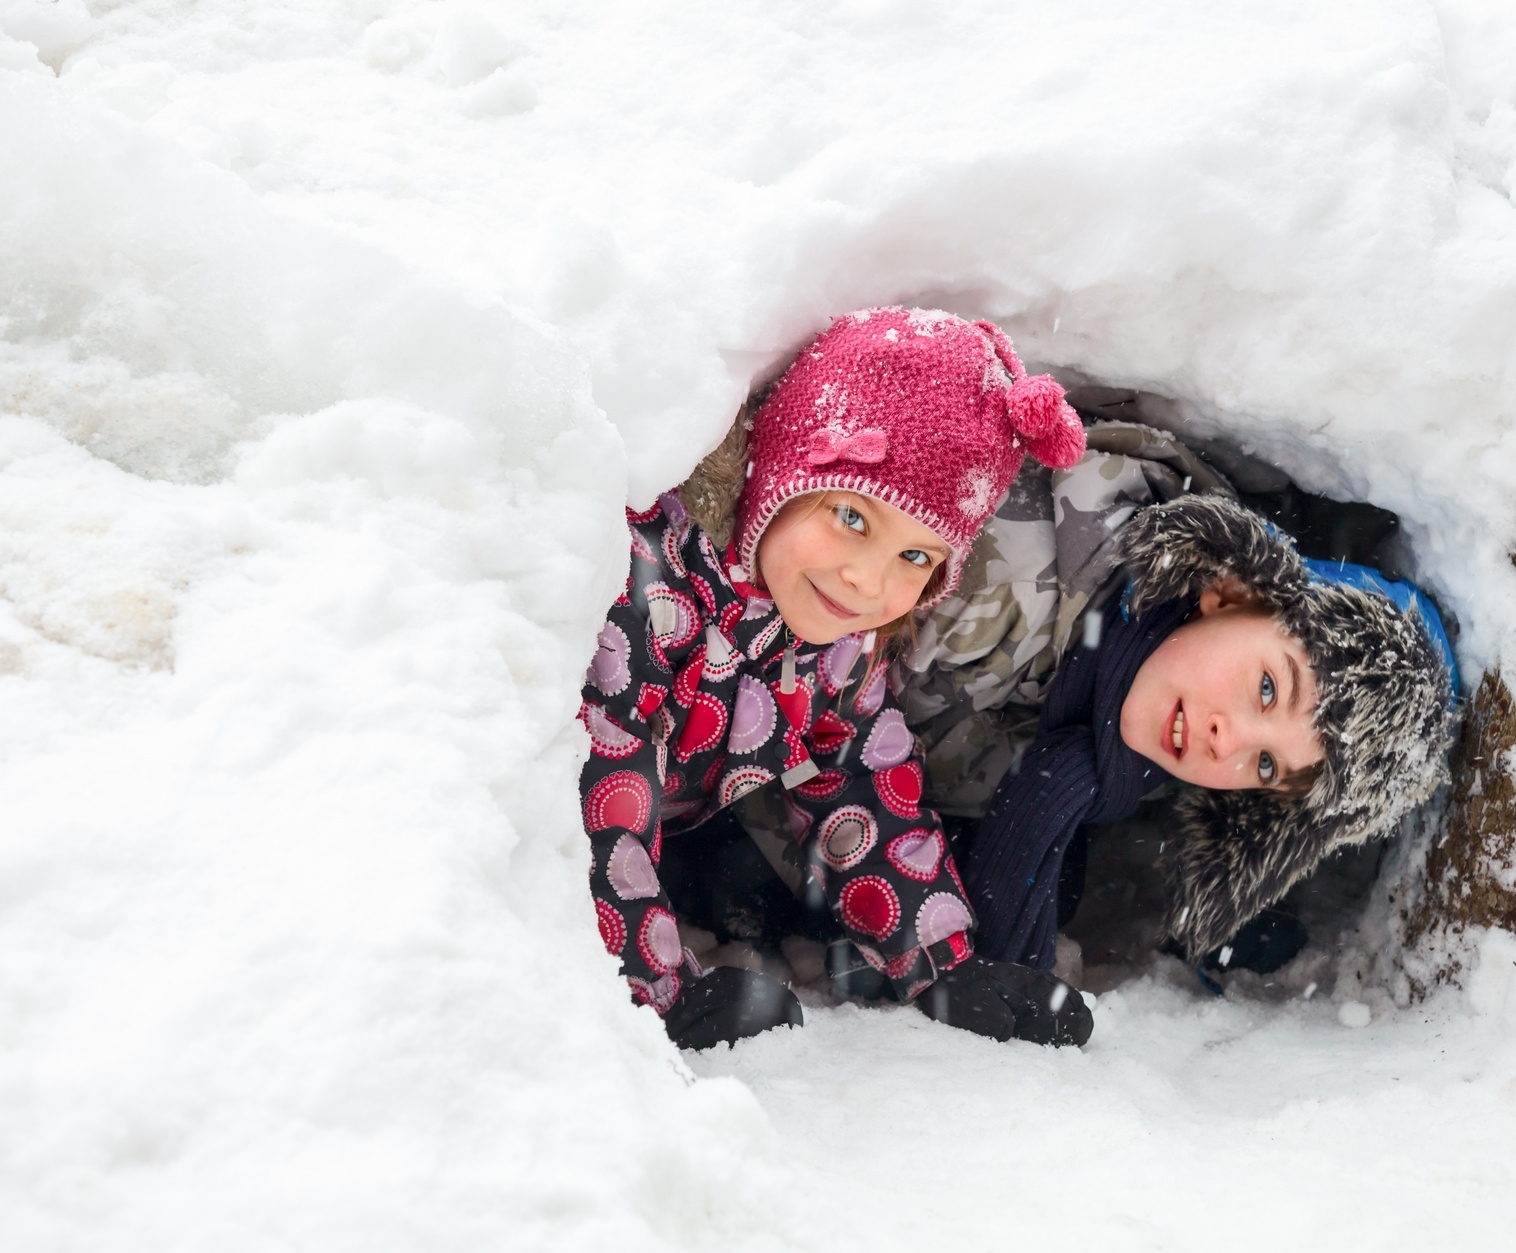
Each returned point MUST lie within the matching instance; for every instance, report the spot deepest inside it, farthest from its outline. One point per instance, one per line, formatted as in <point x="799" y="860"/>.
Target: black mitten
<point x="728" y="1005"/>
<point x="1008" y="1002"/>
<point x="1263" y="945"/>
<point x="852" y="976"/>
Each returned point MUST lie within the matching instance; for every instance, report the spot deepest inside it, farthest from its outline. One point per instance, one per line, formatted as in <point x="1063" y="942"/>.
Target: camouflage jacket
<point x="972" y="685"/>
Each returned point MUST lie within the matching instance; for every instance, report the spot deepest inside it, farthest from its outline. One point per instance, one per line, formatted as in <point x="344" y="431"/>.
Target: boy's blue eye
<point x="916" y="557"/>
<point x="851" y="518"/>
<point x="1266" y="768"/>
<point x="1266" y="690"/>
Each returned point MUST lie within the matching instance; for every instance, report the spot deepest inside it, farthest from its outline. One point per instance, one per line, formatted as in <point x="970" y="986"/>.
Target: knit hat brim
<point x="806" y="485"/>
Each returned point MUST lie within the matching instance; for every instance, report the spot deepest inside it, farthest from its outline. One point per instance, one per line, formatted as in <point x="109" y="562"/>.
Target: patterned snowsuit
<point x="686" y="711"/>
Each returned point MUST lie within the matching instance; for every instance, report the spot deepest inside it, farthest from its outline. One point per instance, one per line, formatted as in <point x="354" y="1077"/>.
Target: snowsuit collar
<point x="1078" y="770"/>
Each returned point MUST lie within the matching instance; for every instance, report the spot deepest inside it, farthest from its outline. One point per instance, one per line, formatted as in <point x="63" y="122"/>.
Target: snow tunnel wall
<point x="333" y="336"/>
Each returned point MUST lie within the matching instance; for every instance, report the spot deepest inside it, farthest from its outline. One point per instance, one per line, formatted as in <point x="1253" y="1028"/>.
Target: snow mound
<point x="333" y="337"/>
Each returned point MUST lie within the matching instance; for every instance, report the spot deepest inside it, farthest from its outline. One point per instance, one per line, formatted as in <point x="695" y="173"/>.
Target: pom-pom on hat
<point x="917" y="408"/>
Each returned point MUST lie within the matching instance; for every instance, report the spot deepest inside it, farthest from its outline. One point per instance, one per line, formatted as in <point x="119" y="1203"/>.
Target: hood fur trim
<point x="1383" y="714"/>
<point x="711" y="491"/>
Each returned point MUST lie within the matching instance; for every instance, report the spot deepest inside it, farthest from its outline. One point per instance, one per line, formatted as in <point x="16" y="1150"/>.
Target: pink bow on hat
<point x="866" y="446"/>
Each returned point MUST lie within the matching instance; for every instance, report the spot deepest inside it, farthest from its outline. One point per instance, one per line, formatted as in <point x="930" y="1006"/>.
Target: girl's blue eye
<point x="1266" y="690"/>
<point x="851" y="518"/>
<point x="916" y="557"/>
<point x="1266" y="768"/>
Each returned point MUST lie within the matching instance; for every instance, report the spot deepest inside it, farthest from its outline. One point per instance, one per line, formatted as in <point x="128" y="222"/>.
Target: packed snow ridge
<point x="333" y="339"/>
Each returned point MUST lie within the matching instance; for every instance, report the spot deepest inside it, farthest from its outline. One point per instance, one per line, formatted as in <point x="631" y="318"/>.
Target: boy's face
<point x="1226" y="701"/>
<point x="848" y="563"/>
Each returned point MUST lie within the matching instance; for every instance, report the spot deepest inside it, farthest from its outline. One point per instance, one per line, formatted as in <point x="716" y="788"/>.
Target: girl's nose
<point x="866" y="576"/>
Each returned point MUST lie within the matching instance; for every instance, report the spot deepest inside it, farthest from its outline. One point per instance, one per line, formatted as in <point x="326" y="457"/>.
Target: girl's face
<point x="1226" y="701"/>
<point x="846" y="563"/>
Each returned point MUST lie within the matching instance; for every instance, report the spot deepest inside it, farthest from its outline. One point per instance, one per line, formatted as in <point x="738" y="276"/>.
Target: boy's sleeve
<point x="878" y="853"/>
<point x="972" y="681"/>
<point x="1017" y="856"/>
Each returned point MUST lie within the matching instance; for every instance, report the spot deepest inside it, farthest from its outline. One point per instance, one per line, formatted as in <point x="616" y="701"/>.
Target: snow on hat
<point x="1384" y="711"/>
<point x="916" y="408"/>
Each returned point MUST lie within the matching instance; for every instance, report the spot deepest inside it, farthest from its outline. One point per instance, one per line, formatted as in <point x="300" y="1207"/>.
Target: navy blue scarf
<point x="1077" y="770"/>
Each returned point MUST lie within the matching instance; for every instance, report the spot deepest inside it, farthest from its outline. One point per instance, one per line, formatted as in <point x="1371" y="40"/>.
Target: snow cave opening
<point x="1115" y="931"/>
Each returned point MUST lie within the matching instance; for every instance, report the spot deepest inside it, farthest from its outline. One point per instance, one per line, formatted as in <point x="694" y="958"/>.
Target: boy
<point x="1307" y="713"/>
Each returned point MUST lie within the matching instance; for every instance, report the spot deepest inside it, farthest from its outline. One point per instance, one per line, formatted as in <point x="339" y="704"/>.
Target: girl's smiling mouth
<point x="1178" y="738"/>
<point x="831" y="606"/>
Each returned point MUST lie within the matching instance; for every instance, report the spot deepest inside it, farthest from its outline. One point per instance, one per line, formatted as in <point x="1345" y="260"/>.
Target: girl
<point x="733" y="663"/>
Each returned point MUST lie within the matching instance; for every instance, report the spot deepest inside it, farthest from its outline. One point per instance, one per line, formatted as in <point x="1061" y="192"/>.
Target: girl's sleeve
<point x="621" y="790"/>
<point x="879" y="853"/>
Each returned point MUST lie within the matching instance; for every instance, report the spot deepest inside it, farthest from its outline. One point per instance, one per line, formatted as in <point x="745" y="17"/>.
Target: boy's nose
<point x="1229" y="738"/>
<point x="1221" y="737"/>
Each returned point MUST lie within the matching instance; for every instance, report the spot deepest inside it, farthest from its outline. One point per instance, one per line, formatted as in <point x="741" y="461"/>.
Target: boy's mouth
<point x="1179" y="736"/>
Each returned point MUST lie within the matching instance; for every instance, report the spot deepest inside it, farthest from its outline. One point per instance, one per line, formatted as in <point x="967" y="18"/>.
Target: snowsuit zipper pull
<point x="787" y="667"/>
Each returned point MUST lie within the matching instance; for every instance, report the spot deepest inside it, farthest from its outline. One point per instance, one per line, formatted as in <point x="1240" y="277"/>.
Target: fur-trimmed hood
<point x="1384" y="715"/>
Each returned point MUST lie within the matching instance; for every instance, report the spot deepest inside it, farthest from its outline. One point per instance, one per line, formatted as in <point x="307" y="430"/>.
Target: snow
<point x="333" y="337"/>
<point x="1354" y="1014"/>
<point x="1185" y="1124"/>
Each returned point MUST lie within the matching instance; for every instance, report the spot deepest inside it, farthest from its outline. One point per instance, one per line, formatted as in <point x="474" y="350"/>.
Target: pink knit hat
<point x="914" y="407"/>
